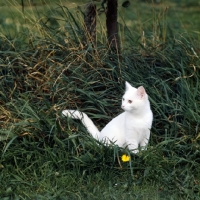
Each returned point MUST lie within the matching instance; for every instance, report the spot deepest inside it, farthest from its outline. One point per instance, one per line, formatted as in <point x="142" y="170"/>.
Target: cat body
<point x="131" y="128"/>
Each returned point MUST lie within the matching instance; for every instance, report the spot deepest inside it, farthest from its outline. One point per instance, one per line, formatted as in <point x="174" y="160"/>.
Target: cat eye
<point x="129" y="101"/>
<point x="122" y="99"/>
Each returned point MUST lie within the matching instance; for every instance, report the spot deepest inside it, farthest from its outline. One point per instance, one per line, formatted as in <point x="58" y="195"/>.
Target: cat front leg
<point x="132" y="137"/>
<point x="145" y="141"/>
<point x="132" y="145"/>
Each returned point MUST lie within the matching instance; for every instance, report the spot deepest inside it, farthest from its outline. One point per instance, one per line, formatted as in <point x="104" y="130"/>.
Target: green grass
<point x="47" y="66"/>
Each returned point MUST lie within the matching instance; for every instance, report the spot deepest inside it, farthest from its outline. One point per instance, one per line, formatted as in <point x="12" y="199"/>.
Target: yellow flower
<point x="125" y="158"/>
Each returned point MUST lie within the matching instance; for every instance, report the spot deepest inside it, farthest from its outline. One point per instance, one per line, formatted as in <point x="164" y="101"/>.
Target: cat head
<point x="134" y="98"/>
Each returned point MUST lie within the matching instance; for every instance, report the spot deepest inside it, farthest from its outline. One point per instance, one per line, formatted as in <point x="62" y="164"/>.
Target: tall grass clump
<point x="47" y="156"/>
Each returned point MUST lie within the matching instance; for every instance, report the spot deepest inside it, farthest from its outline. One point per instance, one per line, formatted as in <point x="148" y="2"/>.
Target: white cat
<point x="131" y="128"/>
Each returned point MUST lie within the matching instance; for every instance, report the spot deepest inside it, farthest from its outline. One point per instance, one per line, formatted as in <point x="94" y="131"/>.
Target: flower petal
<point x="125" y="158"/>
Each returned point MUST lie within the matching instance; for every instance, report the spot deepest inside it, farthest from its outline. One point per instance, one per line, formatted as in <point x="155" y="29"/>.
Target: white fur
<point x="131" y="128"/>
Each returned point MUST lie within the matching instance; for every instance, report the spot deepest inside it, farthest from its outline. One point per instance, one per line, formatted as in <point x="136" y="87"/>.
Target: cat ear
<point x="128" y="86"/>
<point x="141" y="92"/>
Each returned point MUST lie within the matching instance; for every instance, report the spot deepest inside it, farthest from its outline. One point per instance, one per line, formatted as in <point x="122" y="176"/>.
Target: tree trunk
<point x="90" y="23"/>
<point x="112" y="25"/>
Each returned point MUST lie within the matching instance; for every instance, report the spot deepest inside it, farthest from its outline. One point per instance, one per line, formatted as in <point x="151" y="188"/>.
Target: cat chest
<point x="136" y="134"/>
<point x="137" y="124"/>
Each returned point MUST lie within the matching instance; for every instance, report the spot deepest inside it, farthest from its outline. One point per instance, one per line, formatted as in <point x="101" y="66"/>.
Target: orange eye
<point x="129" y="101"/>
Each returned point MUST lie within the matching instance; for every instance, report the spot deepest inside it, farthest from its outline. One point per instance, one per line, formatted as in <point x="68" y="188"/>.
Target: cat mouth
<point x="131" y="110"/>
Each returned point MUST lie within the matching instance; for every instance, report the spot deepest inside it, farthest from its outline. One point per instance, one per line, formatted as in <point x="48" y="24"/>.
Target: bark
<point x="112" y="25"/>
<point x="90" y="22"/>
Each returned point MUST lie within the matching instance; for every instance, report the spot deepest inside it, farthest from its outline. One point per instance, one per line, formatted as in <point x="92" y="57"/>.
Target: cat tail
<point x="87" y="122"/>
